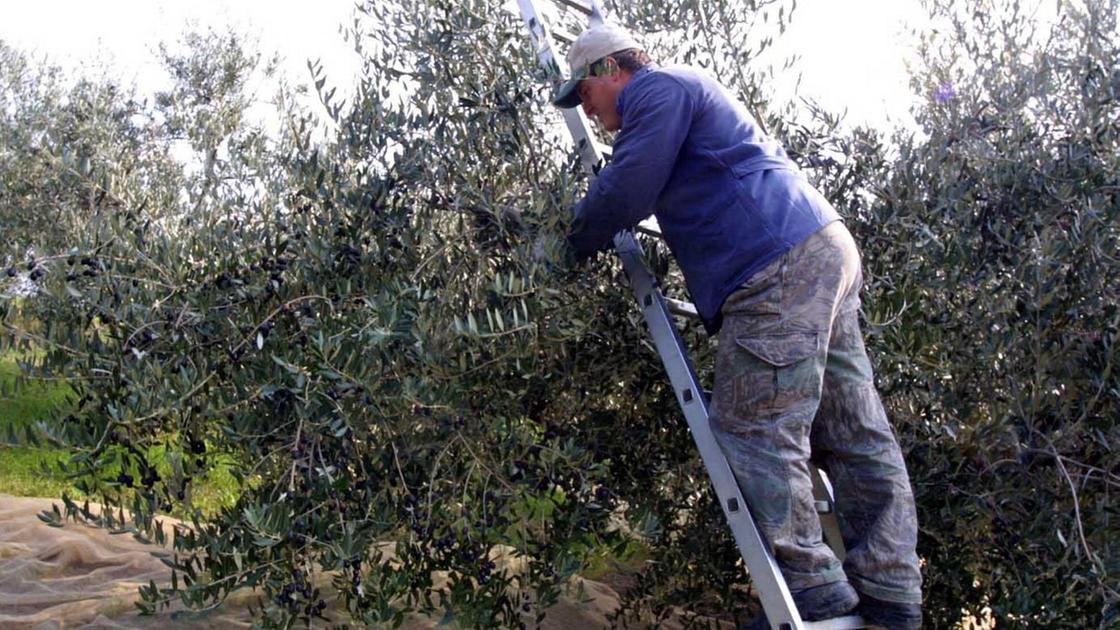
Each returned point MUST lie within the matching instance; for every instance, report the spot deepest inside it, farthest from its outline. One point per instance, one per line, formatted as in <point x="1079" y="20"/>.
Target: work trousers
<point x="792" y="384"/>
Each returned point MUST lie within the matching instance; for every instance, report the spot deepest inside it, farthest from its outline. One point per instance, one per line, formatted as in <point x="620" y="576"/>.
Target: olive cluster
<point x="148" y="475"/>
<point x="141" y="340"/>
<point x="354" y="565"/>
<point x="417" y="515"/>
<point x="298" y="596"/>
<point x="92" y="268"/>
<point x="484" y="571"/>
<point x="275" y="268"/>
<point x="35" y="270"/>
<point x="148" y="478"/>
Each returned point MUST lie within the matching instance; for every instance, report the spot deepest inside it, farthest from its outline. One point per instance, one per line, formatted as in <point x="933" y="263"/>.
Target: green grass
<point x="21" y="466"/>
<point x="22" y="404"/>
<point x="21" y="472"/>
<point x="629" y="561"/>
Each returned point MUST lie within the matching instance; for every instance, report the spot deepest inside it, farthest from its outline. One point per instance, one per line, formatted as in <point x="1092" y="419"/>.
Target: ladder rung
<point x="650" y="227"/>
<point x="823" y="507"/>
<point x="564" y="36"/>
<point x="582" y="7"/>
<point x="685" y="309"/>
<point x="851" y="622"/>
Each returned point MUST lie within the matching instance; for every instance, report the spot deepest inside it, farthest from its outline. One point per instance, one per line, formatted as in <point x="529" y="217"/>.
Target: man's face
<point x="598" y="96"/>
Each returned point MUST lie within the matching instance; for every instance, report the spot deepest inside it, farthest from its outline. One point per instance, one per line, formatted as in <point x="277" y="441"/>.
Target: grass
<point x="21" y="472"/>
<point x="22" y="404"/>
<point x="627" y="562"/>
<point x="21" y="466"/>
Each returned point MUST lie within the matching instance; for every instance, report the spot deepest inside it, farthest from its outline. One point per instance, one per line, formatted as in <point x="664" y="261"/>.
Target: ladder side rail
<point x="577" y="123"/>
<point x="763" y="568"/>
<point x="822" y="487"/>
<point x="583" y="7"/>
<point x="774" y="593"/>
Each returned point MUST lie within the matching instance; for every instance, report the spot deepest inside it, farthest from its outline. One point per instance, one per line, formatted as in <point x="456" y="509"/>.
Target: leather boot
<point x="826" y="601"/>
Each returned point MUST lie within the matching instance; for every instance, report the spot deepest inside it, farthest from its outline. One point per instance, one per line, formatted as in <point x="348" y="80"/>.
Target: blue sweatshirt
<point x="728" y="199"/>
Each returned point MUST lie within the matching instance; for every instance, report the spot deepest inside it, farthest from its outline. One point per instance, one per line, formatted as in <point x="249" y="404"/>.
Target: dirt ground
<point x="82" y="577"/>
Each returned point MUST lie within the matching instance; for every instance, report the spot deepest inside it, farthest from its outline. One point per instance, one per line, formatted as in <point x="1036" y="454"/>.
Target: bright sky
<point x="853" y="56"/>
<point x="852" y="51"/>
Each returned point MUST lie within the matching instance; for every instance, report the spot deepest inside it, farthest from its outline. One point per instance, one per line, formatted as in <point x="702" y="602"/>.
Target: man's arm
<point x="655" y="121"/>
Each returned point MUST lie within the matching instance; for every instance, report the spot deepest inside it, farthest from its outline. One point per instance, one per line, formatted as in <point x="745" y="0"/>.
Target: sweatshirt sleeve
<point x="656" y="115"/>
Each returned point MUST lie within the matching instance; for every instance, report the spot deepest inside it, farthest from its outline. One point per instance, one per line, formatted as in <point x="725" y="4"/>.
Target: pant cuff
<point x="885" y="593"/>
<point x="801" y="581"/>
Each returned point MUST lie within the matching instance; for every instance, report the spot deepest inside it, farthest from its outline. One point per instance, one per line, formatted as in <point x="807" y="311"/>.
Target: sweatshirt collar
<point x="644" y="70"/>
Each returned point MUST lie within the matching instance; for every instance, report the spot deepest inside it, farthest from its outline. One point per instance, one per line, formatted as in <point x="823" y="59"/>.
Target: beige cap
<point x="592" y="45"/>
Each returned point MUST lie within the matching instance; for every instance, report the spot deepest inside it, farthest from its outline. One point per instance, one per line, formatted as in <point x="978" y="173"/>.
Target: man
<point x="772" y="270"/>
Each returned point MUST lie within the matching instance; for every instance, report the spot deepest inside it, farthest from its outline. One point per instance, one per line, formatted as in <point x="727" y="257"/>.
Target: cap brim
<point x="568" y="94"/>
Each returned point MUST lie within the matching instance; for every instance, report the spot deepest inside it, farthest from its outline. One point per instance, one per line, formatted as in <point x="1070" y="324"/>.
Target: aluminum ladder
<point x="658" y="312"/>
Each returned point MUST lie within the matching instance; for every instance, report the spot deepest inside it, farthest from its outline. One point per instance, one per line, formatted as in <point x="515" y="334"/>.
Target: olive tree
<point x="992" y="251"/>
<point x="67" y="144"/>
<point x="377" y="335"/>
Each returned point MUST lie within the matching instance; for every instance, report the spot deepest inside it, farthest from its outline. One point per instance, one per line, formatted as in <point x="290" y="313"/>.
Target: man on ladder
<point x="772" y="270"/>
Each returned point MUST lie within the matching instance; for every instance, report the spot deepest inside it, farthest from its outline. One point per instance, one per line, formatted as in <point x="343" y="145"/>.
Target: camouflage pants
<point x="793" y="383"/>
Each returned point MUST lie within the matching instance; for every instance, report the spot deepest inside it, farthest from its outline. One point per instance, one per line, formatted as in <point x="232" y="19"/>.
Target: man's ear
<point x="612" y="67"/>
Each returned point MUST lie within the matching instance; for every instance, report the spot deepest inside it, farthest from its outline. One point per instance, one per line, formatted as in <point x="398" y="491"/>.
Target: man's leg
<point x="770" y="366"/>
<point x="853" y="441"/>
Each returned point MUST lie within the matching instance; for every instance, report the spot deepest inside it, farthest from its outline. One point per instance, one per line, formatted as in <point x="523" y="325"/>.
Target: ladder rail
<point x="658" y="310"/>
<point x="776" y="598"/>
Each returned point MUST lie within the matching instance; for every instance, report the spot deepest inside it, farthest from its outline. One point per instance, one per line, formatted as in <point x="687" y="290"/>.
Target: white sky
<point x="852" y="51"/>
<point x="853" y="56"/>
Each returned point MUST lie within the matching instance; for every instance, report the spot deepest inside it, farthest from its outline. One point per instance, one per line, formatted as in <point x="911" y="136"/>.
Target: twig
<point x="482" y="463"/>
<point x="1076" y="508"/>
<point x="292" y="473"/>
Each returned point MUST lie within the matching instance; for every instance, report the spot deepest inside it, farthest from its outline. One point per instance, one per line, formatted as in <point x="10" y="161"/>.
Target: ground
<point x="79" y="576"/>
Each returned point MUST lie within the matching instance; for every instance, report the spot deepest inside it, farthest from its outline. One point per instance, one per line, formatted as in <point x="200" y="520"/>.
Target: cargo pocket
<point x="781" y="349"/>
<point x="791" y="376"/>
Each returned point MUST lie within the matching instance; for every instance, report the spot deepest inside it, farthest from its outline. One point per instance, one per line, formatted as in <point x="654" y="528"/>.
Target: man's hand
<point x="553" y="252"/>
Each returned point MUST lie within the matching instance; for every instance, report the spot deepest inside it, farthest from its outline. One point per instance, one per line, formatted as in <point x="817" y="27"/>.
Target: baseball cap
<point x="592" y="45"/>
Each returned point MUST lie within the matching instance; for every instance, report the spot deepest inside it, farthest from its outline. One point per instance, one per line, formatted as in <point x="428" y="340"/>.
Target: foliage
<point x="66" y="147"/>
<point x="993" y="251"/>
<point x="360" y="330"/>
